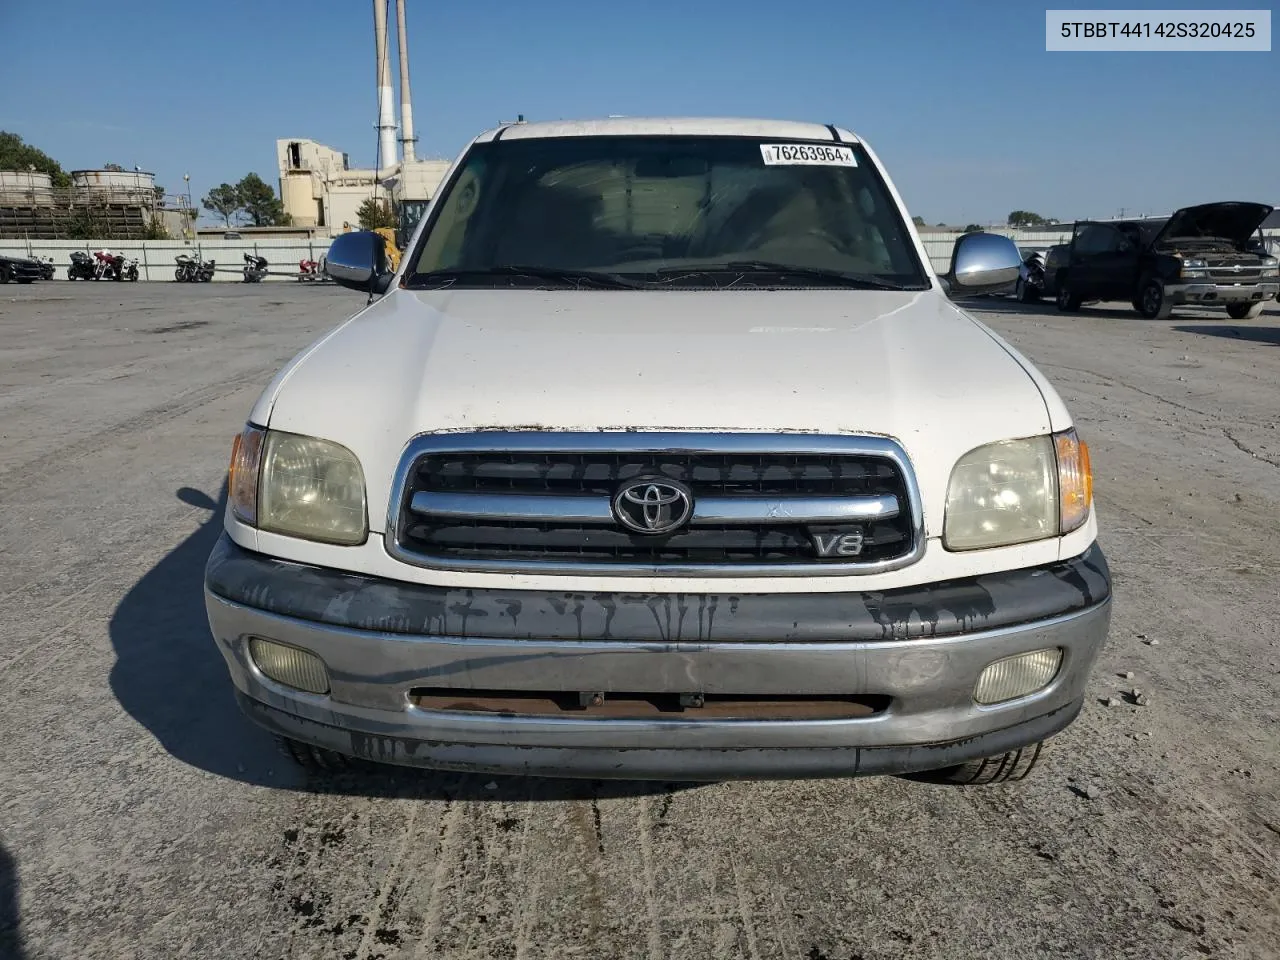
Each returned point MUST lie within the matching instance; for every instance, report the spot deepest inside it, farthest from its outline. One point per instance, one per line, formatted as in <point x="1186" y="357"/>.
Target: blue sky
<point x="962" y="103"/>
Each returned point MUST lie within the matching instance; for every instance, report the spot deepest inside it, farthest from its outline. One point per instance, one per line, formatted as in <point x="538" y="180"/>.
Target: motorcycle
<point x="46" y="267"/>
<point x="127" y="269"/>
<point x="185" y="270"/>
<point x="107" y="265"/>
<point x="255" y="268"/>
<point x="191" y="270"/>
<point x="82" y="266"/>
<point x="312" y="271"/>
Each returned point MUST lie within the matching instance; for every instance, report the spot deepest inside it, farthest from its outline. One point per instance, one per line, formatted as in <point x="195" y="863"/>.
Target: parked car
<point x="1029" y="287"/>
<point x="1205" y="255"/>
<point x="665" y="453"/>
<point x="20" y="269"/>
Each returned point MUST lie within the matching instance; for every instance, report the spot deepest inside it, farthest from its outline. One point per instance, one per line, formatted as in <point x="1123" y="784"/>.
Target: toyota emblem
<point x="653" y="505"/>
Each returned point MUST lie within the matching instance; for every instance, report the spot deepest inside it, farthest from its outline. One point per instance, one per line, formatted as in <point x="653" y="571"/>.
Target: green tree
<point x="224" y="200"/>
<point x="919" y="221"/>
<point x="156" y="230"/>
<point x="373" y="214"/>
<point x="16" y="155"/>
<point x="259" y="202"/>
<point x="972" y="228"/>
<point x="1025" y="218"/>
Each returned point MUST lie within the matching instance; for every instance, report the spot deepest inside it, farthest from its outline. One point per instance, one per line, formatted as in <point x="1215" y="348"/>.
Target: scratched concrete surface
<point x="141" y="817"/>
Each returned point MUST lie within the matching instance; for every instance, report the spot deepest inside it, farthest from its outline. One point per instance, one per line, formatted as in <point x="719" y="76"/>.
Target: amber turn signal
<point x="242" y="477"/>
<point x="1075" y="480"/>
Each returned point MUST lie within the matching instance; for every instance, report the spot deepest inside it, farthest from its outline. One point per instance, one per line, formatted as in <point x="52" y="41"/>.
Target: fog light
<point x="1018" y="676"/>
<point x="289" y="665"/>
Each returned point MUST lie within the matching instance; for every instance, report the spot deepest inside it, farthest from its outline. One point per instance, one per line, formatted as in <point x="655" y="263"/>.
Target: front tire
<point x="1244" y="311"/>
<point x="1152" y="302"/>
<point x="1068" y="300"/>
<point x="1006" y="768"/>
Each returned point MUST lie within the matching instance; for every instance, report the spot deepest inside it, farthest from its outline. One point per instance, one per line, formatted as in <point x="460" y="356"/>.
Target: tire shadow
<point x="170" y="677"/>
<point x="1269" y="335"/>
<point x="1047" y="307"/>
<point x="10" y="922"/>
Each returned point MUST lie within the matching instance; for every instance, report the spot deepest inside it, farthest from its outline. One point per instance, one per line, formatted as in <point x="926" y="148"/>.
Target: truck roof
<point x="670" y="126"/>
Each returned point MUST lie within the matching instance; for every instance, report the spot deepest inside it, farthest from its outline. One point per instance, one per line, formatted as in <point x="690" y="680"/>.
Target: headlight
<point x="1194" y="269"/>
<point x="1017" y="491"/>
<point x="298" y="486"/>
<point x="1270" y="267"/>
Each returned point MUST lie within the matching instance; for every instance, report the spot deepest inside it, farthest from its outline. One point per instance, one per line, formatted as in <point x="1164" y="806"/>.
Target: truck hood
<point x="1230" y="221"/>
<point x="907" y="365"/>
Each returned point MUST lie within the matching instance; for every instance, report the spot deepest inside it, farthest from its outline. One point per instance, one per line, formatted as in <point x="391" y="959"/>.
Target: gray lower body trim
<point x="925" y="684"/>
<point x="744" y="763"/>
<point x="348" y="600"/>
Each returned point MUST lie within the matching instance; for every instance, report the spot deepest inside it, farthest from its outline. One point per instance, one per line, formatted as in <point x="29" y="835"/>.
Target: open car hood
<point x="1232" y="221"/>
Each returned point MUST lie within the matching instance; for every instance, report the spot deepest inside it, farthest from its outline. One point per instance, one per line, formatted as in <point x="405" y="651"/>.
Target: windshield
<point x="666" y="211"/>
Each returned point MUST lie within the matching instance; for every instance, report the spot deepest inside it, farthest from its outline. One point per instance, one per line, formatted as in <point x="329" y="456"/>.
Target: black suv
<point x="1210" y="254"/>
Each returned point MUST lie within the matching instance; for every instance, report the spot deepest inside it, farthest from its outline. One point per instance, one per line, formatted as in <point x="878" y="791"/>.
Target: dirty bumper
<point x="828" y="684"/>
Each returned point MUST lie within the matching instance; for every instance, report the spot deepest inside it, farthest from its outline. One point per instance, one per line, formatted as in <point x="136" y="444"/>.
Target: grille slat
<point x="574" y="473"/>
<point x="522" y="474"/>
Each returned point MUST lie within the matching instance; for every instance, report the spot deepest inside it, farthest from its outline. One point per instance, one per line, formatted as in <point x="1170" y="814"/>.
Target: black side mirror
<point x="359" y="261"/>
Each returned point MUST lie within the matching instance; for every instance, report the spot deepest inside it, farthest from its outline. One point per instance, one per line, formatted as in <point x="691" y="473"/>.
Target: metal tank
<point x="131" y="187"/>
<point x="297" y="194"/>
<point x="25" y="188"/>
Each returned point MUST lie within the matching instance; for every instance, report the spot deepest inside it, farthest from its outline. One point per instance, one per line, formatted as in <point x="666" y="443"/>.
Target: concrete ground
<point x="141" y="817"/>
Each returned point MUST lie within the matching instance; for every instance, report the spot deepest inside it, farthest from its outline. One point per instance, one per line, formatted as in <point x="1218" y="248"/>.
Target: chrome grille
<point x="542" y="502"/>
<point x="1231" y="275"/>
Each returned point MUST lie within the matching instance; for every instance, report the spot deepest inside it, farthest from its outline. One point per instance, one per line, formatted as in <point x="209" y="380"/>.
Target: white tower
<point x="406" y="99"/>
<point x="386" y="96"/>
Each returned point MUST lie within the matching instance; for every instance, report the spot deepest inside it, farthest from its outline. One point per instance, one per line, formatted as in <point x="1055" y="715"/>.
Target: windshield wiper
<point x="559" y="275"/>
<point x="860" y="281"/>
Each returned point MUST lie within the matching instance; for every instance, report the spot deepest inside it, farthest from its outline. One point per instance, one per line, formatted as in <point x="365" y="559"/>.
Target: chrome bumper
<point x="1221" y="292"/>
<point x="931" y="720"/>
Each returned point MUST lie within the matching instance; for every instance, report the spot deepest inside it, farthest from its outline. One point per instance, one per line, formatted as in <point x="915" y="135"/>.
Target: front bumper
<point x="921" y="649"/>
<point x="1209" y="292"/>
<point x="24" y="270"/>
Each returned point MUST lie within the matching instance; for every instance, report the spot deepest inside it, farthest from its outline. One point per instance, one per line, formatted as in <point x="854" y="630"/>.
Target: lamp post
<point x="190" y="228"/>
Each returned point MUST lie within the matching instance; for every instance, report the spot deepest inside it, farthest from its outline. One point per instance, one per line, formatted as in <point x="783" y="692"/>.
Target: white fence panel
<point x="157" y="258"/>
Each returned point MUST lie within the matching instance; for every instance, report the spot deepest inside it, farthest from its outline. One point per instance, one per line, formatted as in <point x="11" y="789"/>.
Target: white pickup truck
<point x="664" y="453"/>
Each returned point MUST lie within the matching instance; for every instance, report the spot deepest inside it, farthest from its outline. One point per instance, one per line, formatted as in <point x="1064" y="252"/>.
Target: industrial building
<point x="110" y="202"/>
<point x="319" y="189"/>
